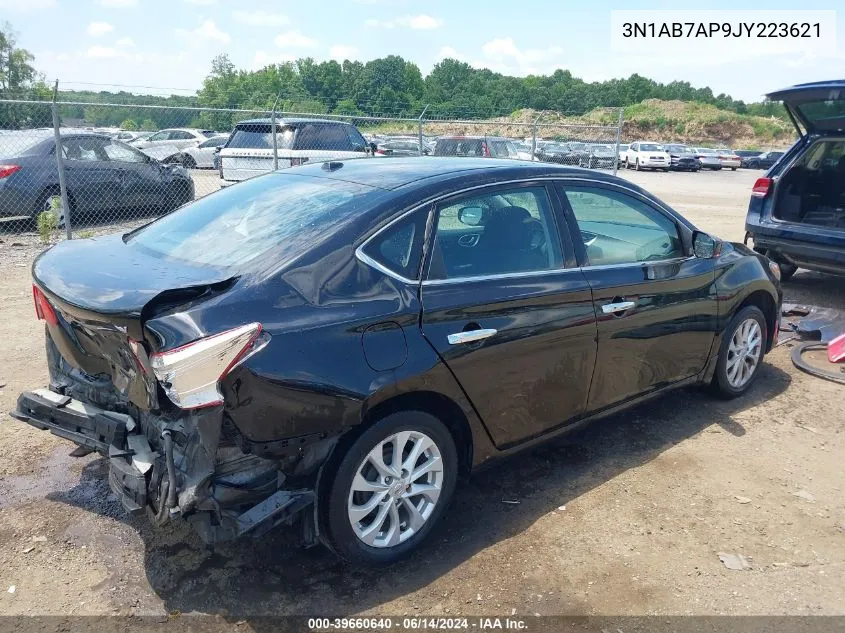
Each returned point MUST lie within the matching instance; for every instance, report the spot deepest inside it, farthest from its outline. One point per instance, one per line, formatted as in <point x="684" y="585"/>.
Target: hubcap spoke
<point x="744" y="352"/>
<point x="371" y="533"/>
<point x="415" y="519"/>
<point x="357" y="513"/>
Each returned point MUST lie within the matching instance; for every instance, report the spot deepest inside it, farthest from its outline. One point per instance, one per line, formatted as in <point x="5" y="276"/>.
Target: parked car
<point x="560" y="153"/>
<point x="623" y="151"/>
<point x="203" y="155"/>
<point x="797" y="211"/>
<point x="745" y="155"/>
<point x="401" y="147"/>
<point x="249" y="150"/>
<point x="483" y="146"/>
<point x="329" y="347"/>
<point x="708" y="158"/>
<point x="682" y="158"/>
<point x="179" y="138"/>
<point x="103" y="175"/>
<point x="596" y="156"/>
<point x="643" y="155"/>
<point x="729" y="159"/>
<point x="764" y="160"/>
<point x="523" y="150"/>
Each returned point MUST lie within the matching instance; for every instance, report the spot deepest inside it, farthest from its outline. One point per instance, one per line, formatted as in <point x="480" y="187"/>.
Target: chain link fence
<point x="120" y="165"/>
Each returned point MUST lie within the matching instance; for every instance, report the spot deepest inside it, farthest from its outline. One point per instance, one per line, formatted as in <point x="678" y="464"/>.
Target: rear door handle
<point x="616" y="308"/>
<point x="470" y="336"/>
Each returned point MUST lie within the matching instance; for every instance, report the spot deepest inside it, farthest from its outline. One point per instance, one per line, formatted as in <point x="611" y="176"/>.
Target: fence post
<point x="419" y="128"/>
<point x="618" y="135"/>
<point x="534" y="137"/>
<point x="60" y="161"/>
<point x="275" y="140"/>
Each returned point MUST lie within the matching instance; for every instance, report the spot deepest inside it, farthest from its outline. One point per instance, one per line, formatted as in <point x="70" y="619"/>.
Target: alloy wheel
<point x="744" y="353"/>
<point x="395" y="489"/>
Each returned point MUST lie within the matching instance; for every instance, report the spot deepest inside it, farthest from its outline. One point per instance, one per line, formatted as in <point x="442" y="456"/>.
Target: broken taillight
<point x="43" y="309"/>
<point x="190" y="375"/>
<point x="8" y="170"/>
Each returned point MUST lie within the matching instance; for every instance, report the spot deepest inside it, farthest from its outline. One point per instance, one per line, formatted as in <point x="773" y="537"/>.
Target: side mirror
<point x="471" y="216"/>
<point x="705" y="246"/>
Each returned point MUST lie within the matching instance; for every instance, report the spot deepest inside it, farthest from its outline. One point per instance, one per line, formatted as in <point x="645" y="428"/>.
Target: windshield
<point x="504" y="148"/>
<point x="283" y="212"/>
<point x="679" y="149"/>
<point x="650" y="147"/>
<point x="259" y="136"/>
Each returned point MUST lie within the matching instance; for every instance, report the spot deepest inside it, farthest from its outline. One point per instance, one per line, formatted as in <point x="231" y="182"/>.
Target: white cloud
<point x="417" y="22"/>
<point x="98" y="29"/>
<point x="294" y="39"/>
<point x="262" y="59"/>
<point x="105" y="52"/>
<point x="208" y="30"/>
<point x="260" y="18"/>
<point x="119" y="4"/>
<point x="503" y="55"/>
<point x="22" y="6"/>
<point x="341" y="52"/>
<point x="125" y="42"/>
<point x="448" y="51"/>
<point x="202" y="3"/>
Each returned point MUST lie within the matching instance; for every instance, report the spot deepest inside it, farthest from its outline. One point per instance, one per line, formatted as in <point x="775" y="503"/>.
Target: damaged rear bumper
<point x="223" y="501"/>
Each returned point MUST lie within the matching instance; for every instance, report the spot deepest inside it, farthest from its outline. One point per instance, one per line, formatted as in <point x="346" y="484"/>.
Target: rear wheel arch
<point x="46" y="192"/>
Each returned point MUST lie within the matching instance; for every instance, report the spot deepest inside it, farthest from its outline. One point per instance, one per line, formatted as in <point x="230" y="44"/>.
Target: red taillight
<point x="761" y="187"/>
<point x="485" y="151"/>
<point x="381" y="152"/>
<point x="8" y="170"/>
<point x="43" y="309"/>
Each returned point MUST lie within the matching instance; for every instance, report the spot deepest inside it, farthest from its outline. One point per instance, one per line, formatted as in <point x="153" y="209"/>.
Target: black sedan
<point x="330" y="347"/>
<point x="103" y="175"/>
<point x="765" y="160"/>
<point x="560" y="153"/>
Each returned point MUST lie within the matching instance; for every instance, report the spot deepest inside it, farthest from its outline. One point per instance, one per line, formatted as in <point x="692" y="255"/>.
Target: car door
<point x="182" y="139"/>
<point x="142" y="184"/>
<point x="508" y="310"/>
<point x="93" y="183"/>
<point x="655" y="304"/>
<point x="631" y="155"/>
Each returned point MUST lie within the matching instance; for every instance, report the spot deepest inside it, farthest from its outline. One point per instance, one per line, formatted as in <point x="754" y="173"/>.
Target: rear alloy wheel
<point x="391" y="487"/>
<point x="741" y="352"/>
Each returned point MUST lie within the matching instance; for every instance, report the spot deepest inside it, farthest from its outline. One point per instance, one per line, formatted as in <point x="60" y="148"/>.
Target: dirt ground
<point x="627" y="517"/>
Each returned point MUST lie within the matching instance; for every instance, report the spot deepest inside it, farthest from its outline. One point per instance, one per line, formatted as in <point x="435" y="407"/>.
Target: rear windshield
<point x="459" y="147"/>
<point x="504" y="149"/>
<point x="20" y="144"/>
<point x="230" y="228"/>
<point x="260" y="136"/>
<point x="824" y="115"/>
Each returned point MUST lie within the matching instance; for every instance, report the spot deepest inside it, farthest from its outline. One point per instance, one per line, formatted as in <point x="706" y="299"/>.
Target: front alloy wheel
<point x="741" y="352"/>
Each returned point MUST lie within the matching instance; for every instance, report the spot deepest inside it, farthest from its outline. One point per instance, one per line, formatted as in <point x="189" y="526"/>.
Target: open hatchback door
<point x="815" y="108"/>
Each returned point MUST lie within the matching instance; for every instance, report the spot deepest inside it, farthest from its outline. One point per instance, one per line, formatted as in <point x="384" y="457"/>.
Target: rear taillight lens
<point x="761" y="187"/>
<point x="43" y="310"/>
<point x="190" y="375"/>
<point x="8" y="170"/>
<point x="485" y="151"/>
<point x="296" y="162"/>
<point x="381" y="152"/>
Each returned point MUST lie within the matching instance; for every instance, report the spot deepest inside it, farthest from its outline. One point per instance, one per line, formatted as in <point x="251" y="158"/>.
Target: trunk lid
<point x="818" y="107"/>
<point x="101" y="291"/>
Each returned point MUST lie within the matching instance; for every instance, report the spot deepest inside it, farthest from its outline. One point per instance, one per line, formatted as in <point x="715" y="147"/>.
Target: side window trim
<point x="361" y="254"/>
<point x="684" y="231"/>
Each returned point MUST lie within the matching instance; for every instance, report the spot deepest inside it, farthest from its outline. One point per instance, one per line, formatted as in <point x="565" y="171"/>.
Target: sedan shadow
<point x="267" y="577"/>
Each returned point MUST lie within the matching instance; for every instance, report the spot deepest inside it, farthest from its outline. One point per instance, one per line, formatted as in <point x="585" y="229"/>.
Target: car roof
<point x="807" y="88"/>
<point x="471" y="138"/>
<point x="393" y="173"/>
<point x="290" y="120"/>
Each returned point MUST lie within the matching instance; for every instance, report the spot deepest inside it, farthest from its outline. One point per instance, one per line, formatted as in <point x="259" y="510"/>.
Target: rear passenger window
<point x="399" y="247"/>
<point x="322" y="136"/>
<point x="500" y="232"/>
<point x="619" y="229"/>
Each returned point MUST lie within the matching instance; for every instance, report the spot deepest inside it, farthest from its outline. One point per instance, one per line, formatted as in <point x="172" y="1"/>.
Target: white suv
<point x="249" y="150"/>
<point x="647" y="155"/>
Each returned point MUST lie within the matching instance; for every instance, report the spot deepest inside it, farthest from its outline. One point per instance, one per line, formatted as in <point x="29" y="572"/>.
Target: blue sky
<point x="168" y="44"/>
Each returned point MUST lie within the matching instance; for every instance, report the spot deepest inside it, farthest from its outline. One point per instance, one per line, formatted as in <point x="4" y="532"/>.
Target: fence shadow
<point x="266" y="577"/>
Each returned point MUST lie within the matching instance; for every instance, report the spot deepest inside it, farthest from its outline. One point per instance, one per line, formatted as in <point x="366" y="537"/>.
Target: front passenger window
<point x="619" y="229"/>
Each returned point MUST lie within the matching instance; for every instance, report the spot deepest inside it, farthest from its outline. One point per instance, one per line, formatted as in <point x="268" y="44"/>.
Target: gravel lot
<point x="627" y="517"/>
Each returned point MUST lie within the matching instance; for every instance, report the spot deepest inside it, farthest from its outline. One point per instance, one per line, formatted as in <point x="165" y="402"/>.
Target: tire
<point x="733" y="168"/>
<point x="637" y="166"/>
<point x="336" y="506"/>
<point x="787" y="271"/>
<point x="727" y="383"/>
<point x="753" y="165"/>
<point x="177" y="194"/>
<point x="188" y="161"/>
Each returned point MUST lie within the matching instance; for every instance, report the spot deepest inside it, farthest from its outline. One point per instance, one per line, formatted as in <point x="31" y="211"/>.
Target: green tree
<point x="20" y="80"/>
